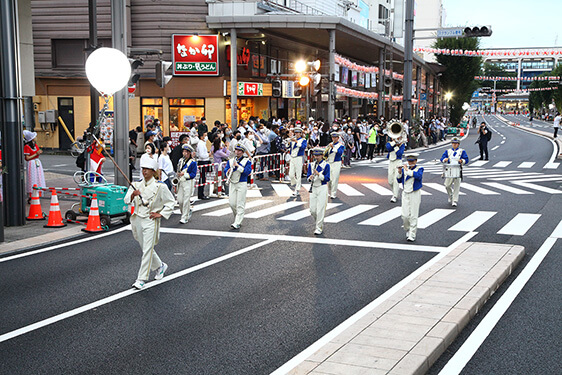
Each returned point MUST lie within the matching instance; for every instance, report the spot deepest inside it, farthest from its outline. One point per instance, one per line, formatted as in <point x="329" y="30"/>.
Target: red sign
<point x="195" y="55"/>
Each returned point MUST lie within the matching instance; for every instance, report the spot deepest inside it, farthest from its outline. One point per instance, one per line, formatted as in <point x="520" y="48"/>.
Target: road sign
<point x="450" y="32"/>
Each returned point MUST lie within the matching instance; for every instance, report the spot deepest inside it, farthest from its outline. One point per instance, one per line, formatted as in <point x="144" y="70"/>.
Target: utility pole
<point x="331" y="78"/>
<point x="408" y="61"/>
<point x="93" y="44"/>
<point x="120" y="98"/>
<point x="233" y="80"/>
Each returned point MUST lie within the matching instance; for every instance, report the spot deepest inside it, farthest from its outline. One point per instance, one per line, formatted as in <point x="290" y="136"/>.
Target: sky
<point x="515" y="23"/>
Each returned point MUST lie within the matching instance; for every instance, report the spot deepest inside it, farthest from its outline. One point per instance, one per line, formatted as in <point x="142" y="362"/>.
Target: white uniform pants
<point x="146" y="232"/>
<point x="335" y="168"/>
<point x="318" y="201"/>
<point x="453" y="186"/>
<point x="410" y="211"/>
<point x="295" y="172"/>
<point x="392" y="175"/>
<point x="185" y="191"/>
<point x="237" y="200"/>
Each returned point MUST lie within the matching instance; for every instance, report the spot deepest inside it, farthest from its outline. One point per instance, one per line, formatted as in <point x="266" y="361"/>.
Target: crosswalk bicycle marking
<point x="479" y="189"/>
<point x="526" y="164"/>
<point x="532" y="186"/>
<point x="509" y="189"/>
<point x="305" y="213"/>
<point x="249" y="204"/>
<point x="473" y="221"/>
<point x="433" y="216"/>
<point x="384" y="217"/>
<point x="520" y="224"/>
<point x="349" y="191"/>
<point x="282" y="190"/>
<point x="439" y="187"/>
<point x="273" y="210"/>
<point x="350" y="212"/>
<point x="501" y="164"/>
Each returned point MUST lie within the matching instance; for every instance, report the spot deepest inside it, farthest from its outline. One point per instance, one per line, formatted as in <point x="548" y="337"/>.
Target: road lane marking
<point x="501" y="164"/>
<point x="282" y="190"/>
<point x="306" y="213"/>
<point x="350" y="191"/>
<point x="494" y="149"/>
<point x="456" y="364"/>
<point x="520" y="224"/>
<point x="544" y="189"/>
<point x="383" y="218"/>
<point x="522" y="176"/>
<point x="378" y="189"/>
<point x="228" y="210"/>
<point x="350" y="212"/>
<point x="253" y="193"/>
<point x="510" y="189"/>
<point x="438" y="187"/>
<point x="551" y="165"/>
<point x="479" y="189"/>
<point x="479" y="163"/>
<point x="433" y="216"/>
<point x="212" y="204"/>
<point x="126" y="293"/>
<point x="273" y="210"/>
<point x="558" y="231"/>
<point x="526" y="164"/>
<point x="473" y="221"/>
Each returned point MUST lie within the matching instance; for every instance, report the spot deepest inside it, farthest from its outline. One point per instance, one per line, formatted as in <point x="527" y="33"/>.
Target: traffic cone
<point x="55" y="218"/>
<point x="462" y="132"/>
<point x="93" y="225"/>
<point x="35" y="212"/>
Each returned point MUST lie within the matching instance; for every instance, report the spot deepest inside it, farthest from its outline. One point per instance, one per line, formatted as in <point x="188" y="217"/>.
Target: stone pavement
<point x="407" y="333"/>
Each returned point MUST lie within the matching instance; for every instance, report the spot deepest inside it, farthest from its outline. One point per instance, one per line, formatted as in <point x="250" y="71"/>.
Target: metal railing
<point x="295" y="6"/>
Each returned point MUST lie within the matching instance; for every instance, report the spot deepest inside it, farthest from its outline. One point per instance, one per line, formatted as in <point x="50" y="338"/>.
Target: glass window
<point x="151" y="108"/>
<point x="184" y="111"/>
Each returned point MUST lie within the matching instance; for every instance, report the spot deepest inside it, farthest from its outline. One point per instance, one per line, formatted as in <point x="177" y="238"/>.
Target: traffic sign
<point x="450" y="32"/>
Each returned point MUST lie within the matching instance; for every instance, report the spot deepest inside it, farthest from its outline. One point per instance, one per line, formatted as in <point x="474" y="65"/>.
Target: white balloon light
<point x="108" y="70"/>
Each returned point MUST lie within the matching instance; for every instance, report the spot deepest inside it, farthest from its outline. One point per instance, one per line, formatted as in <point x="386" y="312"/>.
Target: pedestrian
<point x="319" y="176"/>
<point x="203" y="160"/>
<point x="151" y="201"/>
<point x="348" y="141"/>
<point x="453" y="159"/>
<point x="177" y="152"/>
<point x="335" y="153"/>
<point x="371" y="142"/>
<point x="363" y="134"/>
<point x="31" y="153"/>
<point x="395" y="150"/>
<point x="484" y="135"/>
<point x="410" y="177"/>
<point x="297" y="148"/>
<point x="150" y="136"/>
<point x="186" y="172"/>
<point x="240" y="167"/>
<point x="556" y="123"/>
<point x="220" y="153"/>
<point x="165" y="166"/>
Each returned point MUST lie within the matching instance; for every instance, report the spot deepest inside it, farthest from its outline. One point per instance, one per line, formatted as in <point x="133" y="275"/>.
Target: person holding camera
<point x="484" y="136"/>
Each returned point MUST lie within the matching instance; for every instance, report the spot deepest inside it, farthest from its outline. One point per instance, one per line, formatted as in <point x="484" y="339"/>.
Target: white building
<point x="429" y="14"/>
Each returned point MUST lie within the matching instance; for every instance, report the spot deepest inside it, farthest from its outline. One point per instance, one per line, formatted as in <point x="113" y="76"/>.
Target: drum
<point x="453" y="171"/>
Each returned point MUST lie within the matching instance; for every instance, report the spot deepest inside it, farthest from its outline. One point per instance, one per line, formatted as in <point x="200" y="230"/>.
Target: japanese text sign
<point x="195" y="55"/>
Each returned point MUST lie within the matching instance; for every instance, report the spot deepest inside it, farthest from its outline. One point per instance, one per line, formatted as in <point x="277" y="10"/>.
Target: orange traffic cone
<point x="35" y="212"/>
<point x="55" y="218"/>
<point x="93" y="225"/>
<point x="462" y="132"/>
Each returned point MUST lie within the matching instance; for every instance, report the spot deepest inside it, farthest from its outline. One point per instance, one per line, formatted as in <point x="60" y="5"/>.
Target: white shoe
<point x="160" y="271"/>
<point x="454" y="204"/>
<point x="449" y="199"/>
<point x="139" y="284"/>
<point x="333" y="196"/>
<point x="183" y="221"/>
<point x="235" y="226"/>
<point x="295" y="193"/>
<point x="317" y="232"/>
<point x="410" y="239"/>
<point x="393" y="200"/>
<point x="190" y="214"/>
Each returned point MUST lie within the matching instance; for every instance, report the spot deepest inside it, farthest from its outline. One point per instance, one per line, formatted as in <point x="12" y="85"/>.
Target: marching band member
<point x="411" y="180"/>
<point x="187" y="170"/>
<point x="334" y="159"/>
<point x="152" y="200"/>
<point x="297" y="148"/>
<point x="241" y="168"/>
<point x="455" y="157"/>
<point x="319" y="176"/>
<point x="395" y="150"/>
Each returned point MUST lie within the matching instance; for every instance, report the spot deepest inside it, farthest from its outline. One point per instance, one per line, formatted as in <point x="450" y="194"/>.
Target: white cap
<point x="29" y="136"/>
<point x="148" y="163"/>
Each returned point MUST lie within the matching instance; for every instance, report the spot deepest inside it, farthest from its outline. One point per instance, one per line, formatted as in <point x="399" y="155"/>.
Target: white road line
<point x="544" y="189"/>
<point x="385" y="217"/>
<point x="273" y="210"/>
<point x="282" y="190"/>
<point x="497" y="174"/>
<point x="495" y="148"/>
<point x="253" y="193"/>
<point x="126" y="293"/>
<point x="378" y="189"/>
<point x="551" y="165"/>
<point x="350" y="191"/>
<point x="212" y="204"/>
<point x="520" y="224"/>
<point x="433" y="216"/>
<point x="228" y="210"/>
<point x="477" y="337"/>
<point x="522" y="176"/>
<point x="479" y="163"/>
<point x="557" y="231"/>
<point x="501" y="164"/>
<point x="479" y="189"/>
<point x="502" y="142"/>
<point x="438" y="187"/>
<point x="473" y="221"/>
<point x="526" y="164"/>
<point x="350" y="212"/>
<point x="306" y="213"/>
<point x="510" y="189"/>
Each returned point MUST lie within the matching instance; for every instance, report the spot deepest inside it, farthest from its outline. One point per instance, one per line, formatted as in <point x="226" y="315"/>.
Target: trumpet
<point x="395" y="129"/>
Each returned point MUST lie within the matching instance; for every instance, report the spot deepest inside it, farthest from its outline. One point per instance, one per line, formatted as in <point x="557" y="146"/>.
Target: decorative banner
<point x="494" y="53"/>
<point x="250" y="89"/>
<point x="195" y="55"/>
<point x="524" y="90"/>
<point x="356" y="93"/>
<point x="351" y="65"/>
<point x="547" y="78"/>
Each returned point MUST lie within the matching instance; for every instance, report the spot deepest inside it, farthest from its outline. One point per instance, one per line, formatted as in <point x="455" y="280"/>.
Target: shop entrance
<point x="66" y="111"/>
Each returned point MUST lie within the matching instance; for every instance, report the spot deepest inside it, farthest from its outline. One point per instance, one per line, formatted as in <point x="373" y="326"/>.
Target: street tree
<point x="458" y="78"/>
<point x="540" y="100"/>
<point x="495" y="70"/>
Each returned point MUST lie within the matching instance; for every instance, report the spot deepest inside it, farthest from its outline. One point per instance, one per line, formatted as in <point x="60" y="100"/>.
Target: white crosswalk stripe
<point x="282" y="190"/>
<point x="383" y="218"/>
<point x="526" y="164"/>
<point x="253" y="193"/>
<point x="520" y="224"/>
<point x="439" y="187"/>
<point x="211" y="204"/>
<point x="350" y="212"/>
<point x="249" y="204"/>
<point x="349" y="191"/>
<point x="478" y="189"/>
<point x="501" y="164"/>
<point x="433" y="216"/>
<point x="521" y="176"/>
<point x="507" y="188"/>
<point x="532" y="186"/>
<point x="381" y="190"/>
<point x="557" y="231"/>
<point x="479" y="163"/>
<point x="473" y="221"/>
<point x="306" y="213"/>
<point x="551" y="166"/>
<point x="273" y="210"/>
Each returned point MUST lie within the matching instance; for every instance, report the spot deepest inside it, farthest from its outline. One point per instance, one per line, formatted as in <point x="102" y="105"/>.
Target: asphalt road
<point x="246" y="302"/>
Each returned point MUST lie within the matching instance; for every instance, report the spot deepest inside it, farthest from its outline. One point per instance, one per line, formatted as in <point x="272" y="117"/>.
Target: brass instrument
<point x="231" y="170"/>
<point x="174" y="178"/>
<point x="395" y="129"/>
<point x="313" y="177"/>
<point x="327" y="151"/>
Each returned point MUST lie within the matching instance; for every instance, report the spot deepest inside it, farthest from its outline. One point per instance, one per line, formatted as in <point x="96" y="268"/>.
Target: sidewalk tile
<point x="304" y="368"/>
<point x="384" y="342"/>
<point x="445" y="331"/>
<point x="425" y="310"/>
<point x="430" y="347"/>
<point x="457" y="316"/>
<point x="346" y="369"/>
<point x="413" y="364"/>
<point x="360" y="355"/>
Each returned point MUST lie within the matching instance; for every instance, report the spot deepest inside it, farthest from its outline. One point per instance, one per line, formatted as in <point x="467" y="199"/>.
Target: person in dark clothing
<point x="202" y="127"/>
<point x="177" y="152"/>
<point x="484" y="135"/>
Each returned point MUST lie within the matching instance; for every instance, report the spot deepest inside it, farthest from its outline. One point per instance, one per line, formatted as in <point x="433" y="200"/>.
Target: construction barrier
<point x="55" y="217"/>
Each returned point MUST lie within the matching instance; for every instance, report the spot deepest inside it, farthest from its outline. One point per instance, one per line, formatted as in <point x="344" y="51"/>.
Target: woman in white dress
<point x="31" y="152"/>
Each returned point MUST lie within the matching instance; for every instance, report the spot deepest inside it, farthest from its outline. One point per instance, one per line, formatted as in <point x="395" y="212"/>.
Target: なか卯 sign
<point x="195" y="55"/>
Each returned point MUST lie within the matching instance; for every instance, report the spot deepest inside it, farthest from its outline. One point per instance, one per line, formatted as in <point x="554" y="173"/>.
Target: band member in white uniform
<point x="453" y="159"/>
<point x="411" y="179"/>
<point x="297" y="148"/>
<point x="152" y="200"/>
<point x="395" y="150"/>
<point x="186" y="172"/>
<point x="241" y="168"/>
<point x="334" y="159"/>
<point x="319" y="176"/>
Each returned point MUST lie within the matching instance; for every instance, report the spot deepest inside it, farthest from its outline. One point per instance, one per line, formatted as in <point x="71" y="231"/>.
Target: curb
<point x="409" y="331"/>
<point x="558" y="141"/>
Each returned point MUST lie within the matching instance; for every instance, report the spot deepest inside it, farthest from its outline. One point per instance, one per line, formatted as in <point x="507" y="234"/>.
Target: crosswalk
<point x="382" y="162"/>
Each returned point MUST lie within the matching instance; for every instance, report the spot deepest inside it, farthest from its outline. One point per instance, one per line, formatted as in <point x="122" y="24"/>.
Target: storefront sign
<point x="195" y="55"/>
<point x="250" y="89"/>
<point x="176" y="137"/>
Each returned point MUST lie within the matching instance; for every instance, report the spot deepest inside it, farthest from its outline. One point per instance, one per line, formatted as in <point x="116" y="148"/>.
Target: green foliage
<point x="540" y="99"/>
<point x="458" y="78"/>
<point x="494" y="70"/>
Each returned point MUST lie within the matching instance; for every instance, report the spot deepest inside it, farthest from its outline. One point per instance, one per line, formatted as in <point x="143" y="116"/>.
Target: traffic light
<point x="297" y="89"/>
<point x="163" y="73"/>
<point x="478" y="31"/>
<point x="135" y="64"/>
<point x="316" y="83"/>
<point x="276" y="88"/>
